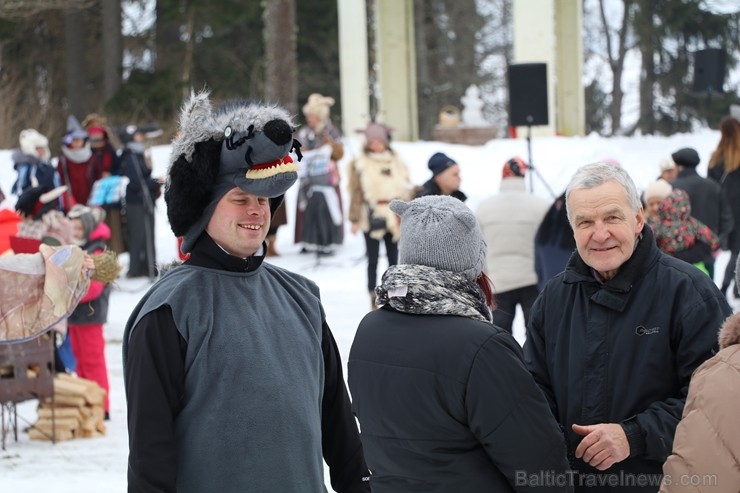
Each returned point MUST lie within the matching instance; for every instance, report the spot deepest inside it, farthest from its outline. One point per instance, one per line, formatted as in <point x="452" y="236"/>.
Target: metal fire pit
<point x="26" y="373"/>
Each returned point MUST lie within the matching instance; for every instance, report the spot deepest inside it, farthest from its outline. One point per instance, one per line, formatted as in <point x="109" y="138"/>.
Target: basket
<point x="449" y="116"/>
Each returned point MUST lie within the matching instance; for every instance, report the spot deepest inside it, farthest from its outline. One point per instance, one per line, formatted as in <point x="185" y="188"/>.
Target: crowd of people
<point x="234" y="380"/>
<point x="96" y="197"/>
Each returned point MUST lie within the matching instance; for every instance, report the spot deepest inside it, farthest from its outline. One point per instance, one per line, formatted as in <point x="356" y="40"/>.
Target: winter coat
<point x="623" y="351"/>
<point x="679" y="234"/>
<point x="708" y="204"/>
<point x="224" y="402"/>
<point x="76" y="170"/>
<point x="706" y="448"/>
<point x="134" y="166"/>
<point x="444" y="401"/>
<point x="554" y="243"/>
<point x="9" y="221"/>
<point x="374" y="180"/>
<point x="310" y="140"/>
<point x="93" y="307"/>
<point x="509" y="221"/>
<point x="430" y="187"/>
<point x="32" y="172"/>
<point x="730" y="185"/>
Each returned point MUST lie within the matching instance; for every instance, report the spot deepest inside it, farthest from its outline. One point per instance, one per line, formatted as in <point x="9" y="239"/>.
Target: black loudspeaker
<point x="528" y="94"/>
<point x="709" y="70"/>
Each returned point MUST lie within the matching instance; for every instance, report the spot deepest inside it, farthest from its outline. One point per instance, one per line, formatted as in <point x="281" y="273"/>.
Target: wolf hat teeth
<point x="242" y="144"/>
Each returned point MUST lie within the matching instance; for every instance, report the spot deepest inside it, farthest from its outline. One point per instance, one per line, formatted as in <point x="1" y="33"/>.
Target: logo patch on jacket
<point x="642" y="331"/>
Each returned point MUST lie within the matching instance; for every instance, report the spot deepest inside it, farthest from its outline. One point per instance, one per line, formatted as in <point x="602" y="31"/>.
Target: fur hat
<point x="659" y="188"/>
<point x="30" y="140"/>
<point x="514" y="167"/>
<point x="440" y="162"/>
<point x="666" y="164"/>
<point x="243" y="145"/>
<point x="442" y="232"/>
<point x="686" y="157"/>
<point x="377" y="131"/>
<point x="318" y="106"/>
<point x="84" y="214"/>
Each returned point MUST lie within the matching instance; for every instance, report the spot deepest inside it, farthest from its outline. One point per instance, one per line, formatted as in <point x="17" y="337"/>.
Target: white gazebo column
<point x="570" y="99"/>
<point x="353" y="63"/>
<point x="396" y="61"/>
<point x="549" y="31"/>
<point x="534" y="42"/>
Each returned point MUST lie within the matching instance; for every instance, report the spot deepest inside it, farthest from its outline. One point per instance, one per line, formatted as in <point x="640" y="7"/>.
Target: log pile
<point x="76" y="411"/>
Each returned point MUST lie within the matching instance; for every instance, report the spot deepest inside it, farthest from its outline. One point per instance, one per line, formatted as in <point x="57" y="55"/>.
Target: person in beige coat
<point x="706" y="448"/>
<point x="509" y="220"/>
<point x="377" y="176"/>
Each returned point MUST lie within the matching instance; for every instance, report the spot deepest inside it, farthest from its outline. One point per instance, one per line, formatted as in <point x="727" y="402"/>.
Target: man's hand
<point x="603" y="445"/>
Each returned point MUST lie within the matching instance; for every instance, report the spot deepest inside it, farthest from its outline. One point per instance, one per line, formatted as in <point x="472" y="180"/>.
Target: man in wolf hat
<point x="233" y="377"/>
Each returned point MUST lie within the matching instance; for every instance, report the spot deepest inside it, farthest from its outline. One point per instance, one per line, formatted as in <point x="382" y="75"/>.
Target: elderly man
<point x="613" y="340"/>
<point x="233" y="378"/>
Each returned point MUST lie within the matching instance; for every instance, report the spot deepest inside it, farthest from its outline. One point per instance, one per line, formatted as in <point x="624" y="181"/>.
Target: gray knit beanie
<point x="442" y="232"/>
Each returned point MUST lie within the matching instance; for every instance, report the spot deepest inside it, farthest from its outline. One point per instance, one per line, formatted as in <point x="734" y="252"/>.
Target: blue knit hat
<point x="442" y="232"/>
<point x="440" y="162"/>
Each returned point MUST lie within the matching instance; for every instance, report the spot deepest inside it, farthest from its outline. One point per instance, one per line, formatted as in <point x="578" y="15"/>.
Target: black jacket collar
<point x="206" y="253"/>
<point x="615" y="292"/>
<point x="687" y="171"/>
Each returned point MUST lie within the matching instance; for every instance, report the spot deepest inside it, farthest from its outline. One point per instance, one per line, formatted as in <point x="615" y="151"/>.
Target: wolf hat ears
<point x="245" y="145"/>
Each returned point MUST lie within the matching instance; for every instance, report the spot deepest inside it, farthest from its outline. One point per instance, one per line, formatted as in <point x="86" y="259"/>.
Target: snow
<point x="99" y="464"/>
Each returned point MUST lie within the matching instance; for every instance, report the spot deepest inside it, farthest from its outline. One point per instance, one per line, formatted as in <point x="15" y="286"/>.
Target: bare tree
<point x="10" y="9"/>
<point x="616" y="57"/>
<point x="75" y="70"/>
<point x="281" y="76"/>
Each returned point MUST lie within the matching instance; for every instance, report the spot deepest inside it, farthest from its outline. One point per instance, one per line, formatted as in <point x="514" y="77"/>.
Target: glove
<point x="29" y="198"/>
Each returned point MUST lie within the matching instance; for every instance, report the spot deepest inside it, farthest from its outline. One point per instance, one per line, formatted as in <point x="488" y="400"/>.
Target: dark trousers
<point x="140" y="235"/>
<point x="506" y="302"/>
<point x="730" y="274"/>
<point x="372" y="247"/>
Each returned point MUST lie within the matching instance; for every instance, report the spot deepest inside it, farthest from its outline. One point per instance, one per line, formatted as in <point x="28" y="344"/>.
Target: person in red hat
<point x="509" y="220"/>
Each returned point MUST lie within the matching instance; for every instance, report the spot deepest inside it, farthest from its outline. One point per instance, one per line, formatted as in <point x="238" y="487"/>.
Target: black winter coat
<point x="708" y="204"/>
<point x="624" y="351"/>
<point x="446" y="404"/>
<point x="730" y="185"/>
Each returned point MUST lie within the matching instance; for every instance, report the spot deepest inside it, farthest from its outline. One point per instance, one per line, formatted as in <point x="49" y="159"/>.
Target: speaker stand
<point x="532" y="168"/>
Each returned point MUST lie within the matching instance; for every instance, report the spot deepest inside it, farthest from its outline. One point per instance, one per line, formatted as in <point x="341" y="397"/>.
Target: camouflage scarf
<point x="425" y="290"/>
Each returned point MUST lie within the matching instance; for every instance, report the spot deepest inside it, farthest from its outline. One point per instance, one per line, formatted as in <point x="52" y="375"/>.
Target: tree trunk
<point x="616" y="61"/>
<point x="187" y="66"/>
<point x="74" y="62"/>
<point x="281" y="76"/>
<point x="112" y="53"/>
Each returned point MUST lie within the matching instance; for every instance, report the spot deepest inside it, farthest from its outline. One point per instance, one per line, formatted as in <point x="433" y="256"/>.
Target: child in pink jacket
<point x="87" y="320"/>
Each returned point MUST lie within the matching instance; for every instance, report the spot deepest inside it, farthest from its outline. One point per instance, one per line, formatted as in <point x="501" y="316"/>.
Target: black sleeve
<point x="154" y="390"/>
<point x="505" y="406"/>
<point x="726" y="221"/>
<point x="340" y="439"/>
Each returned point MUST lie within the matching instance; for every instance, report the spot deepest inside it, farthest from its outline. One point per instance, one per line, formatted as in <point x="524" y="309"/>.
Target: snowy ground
<point x="99" y="465"/>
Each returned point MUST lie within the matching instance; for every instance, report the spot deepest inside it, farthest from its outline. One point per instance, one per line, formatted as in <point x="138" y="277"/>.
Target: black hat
<point x="243" y="145"/>
<point x="686" y="157"/>
<point x="440" y="162"/>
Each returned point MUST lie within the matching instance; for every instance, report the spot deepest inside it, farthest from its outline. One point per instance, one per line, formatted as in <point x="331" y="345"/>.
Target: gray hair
<point x="596" y="174"/>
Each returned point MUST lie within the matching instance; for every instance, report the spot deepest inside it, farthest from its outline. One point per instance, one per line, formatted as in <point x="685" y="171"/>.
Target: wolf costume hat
<point x="243" y="145"/>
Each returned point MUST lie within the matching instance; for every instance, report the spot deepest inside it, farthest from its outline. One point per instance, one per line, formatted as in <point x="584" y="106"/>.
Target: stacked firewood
<point x="75" y="412"/>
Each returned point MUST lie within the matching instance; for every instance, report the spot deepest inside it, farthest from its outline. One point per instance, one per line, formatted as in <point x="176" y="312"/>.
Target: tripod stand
<point x="532" y="167"/>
